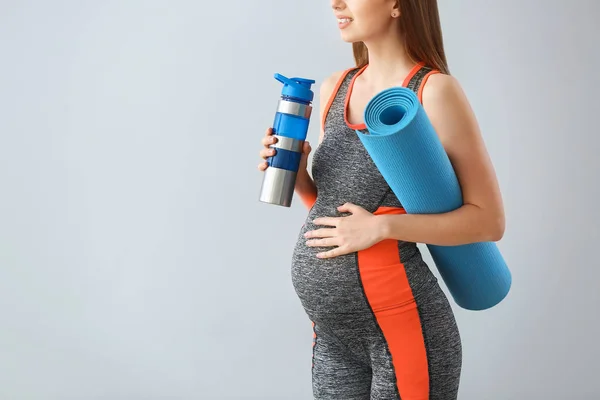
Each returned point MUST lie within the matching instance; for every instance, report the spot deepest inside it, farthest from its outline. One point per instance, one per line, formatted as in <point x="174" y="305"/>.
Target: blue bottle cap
<point x="296" y="87"/>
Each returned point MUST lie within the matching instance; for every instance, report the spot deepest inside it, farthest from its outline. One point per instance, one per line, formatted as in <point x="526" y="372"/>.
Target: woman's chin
<point x="348" y="38"/>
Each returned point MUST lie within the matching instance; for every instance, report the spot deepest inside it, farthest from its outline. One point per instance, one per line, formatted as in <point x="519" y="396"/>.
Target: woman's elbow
<point x="497" y="227"/>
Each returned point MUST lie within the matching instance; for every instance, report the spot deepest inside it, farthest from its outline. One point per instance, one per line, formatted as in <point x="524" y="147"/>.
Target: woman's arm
<point x="481" y="218"/>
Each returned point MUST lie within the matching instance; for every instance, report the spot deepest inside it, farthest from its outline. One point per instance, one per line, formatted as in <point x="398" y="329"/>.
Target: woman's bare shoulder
<point x="330" y="82"/>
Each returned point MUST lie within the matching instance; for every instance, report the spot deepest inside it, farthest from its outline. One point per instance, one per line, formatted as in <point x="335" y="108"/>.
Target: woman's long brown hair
<point x="422" y="32"/>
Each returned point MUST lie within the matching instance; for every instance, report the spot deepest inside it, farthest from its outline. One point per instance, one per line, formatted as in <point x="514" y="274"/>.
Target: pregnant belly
<point x="351" y="283"/>
<point x="328" y="285"/>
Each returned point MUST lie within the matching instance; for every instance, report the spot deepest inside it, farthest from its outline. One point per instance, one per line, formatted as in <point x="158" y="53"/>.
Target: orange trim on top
<point x="420" y="91"/>
<point x="412" y="73"/>
<point x="347" y="100"/>
<point x="390" y="296"/>
<point x="332" y="96"/>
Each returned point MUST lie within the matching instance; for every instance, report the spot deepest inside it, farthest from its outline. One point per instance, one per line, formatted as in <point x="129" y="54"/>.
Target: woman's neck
<point x="389" y="62"/>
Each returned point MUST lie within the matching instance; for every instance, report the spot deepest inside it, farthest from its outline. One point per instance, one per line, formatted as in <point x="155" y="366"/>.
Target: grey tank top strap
<point x="416" y="80"/>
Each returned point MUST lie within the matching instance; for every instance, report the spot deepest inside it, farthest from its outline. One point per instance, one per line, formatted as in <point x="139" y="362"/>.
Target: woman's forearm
<point x="306" y="189"/>
<point x="467" y="224"/>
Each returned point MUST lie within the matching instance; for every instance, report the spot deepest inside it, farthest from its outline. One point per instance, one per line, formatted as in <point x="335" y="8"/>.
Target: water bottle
<point x="290" y="128"/>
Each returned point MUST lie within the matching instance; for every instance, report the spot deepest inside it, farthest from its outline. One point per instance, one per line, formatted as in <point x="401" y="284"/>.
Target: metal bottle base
<point x="278" y="186"/>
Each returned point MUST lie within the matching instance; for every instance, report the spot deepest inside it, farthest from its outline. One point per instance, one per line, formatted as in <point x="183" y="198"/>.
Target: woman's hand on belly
<point x="348" y="234"/>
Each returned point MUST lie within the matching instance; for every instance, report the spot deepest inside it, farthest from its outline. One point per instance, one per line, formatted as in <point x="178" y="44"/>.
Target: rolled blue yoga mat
<point x="408" y="153"/>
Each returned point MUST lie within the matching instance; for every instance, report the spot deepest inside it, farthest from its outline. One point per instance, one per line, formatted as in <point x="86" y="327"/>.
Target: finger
<point x="328" y="221"/>
<point x="269" y="131"/>
<point x="263" y="166"/>
<point x="338" y="251"/>
<point x="326" y="242"/>
<point x="319" y="233"/>
<point x="268" y="140"/>
<point x="349" y="207"/>
<point x="264" y="153"/>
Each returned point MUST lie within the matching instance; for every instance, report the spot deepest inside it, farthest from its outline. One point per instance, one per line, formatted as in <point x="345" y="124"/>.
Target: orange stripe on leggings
<point x="388" y="291"/>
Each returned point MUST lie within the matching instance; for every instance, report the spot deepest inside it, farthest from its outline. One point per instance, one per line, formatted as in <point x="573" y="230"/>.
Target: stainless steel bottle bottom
<point x="278" y="186"/>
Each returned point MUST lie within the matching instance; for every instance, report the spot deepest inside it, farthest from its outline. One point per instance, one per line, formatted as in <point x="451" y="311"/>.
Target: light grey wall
<point x="135" y="259"/>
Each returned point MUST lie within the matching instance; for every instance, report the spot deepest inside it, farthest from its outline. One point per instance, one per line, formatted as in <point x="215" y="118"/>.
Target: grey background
<point x="135" y="259"/>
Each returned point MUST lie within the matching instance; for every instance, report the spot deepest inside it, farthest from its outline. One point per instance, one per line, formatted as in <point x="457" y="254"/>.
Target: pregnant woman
<point x="383" y="328"/>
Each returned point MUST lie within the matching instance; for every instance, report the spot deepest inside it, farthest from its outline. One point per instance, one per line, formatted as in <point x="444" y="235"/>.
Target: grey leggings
<point x="411" y="352"/>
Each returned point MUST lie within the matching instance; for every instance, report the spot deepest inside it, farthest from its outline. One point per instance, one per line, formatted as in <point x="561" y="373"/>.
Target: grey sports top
<point x="344" y="172"/>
